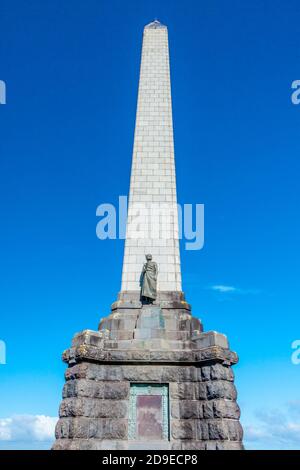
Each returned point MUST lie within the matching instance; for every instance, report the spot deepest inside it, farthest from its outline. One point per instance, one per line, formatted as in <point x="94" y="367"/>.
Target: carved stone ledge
<point x="89" y="353"/>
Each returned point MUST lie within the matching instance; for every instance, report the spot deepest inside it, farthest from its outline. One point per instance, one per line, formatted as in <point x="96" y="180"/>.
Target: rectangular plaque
<point x="149" y="412"/>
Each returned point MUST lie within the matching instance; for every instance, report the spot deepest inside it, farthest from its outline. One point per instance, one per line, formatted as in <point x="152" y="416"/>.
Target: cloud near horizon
<point x="27" y="428"/>
<point x="275" y="429"/>
<point x="271" y="429"/>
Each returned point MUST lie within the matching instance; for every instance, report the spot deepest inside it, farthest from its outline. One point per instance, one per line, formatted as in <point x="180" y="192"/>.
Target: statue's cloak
<point x="149" y="280"/>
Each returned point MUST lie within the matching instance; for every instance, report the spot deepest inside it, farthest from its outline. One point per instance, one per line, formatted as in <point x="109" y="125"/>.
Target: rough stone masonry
<point x="150" y="377"/>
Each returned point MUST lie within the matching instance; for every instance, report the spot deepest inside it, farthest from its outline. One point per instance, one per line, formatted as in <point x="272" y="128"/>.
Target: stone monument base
<point x="149" y="379"/>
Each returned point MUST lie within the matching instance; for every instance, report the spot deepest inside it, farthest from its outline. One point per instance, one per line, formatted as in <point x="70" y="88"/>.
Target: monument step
<point x="150" y="333"/>
<point x="147" y="344"/>
<point x="149" y="445"/>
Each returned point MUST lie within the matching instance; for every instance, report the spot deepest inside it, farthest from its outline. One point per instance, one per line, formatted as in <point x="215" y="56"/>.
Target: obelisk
<point x="150" y="378"/>
<point x="153" y="180"/>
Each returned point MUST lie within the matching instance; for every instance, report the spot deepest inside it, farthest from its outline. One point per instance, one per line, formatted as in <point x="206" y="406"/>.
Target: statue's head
<point x="148" y="257"/>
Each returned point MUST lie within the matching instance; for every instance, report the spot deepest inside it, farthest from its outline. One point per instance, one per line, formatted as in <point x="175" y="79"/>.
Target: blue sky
<point x="71" y="71"/>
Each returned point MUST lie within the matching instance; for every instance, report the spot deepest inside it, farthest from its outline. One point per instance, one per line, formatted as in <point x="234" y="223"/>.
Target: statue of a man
<point x="149" y="280"/>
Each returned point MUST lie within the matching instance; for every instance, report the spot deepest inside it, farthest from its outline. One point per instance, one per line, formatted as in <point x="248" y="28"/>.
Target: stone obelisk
<point x="150" y="378"/>
<point x="152" y="195"/>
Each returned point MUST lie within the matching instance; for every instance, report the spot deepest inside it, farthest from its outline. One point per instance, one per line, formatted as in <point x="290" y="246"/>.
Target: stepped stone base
<point x="149" y="345"/>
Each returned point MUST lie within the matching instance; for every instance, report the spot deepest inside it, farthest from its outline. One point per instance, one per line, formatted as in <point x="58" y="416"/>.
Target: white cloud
<point x="274" y="429"/>
<point x="223" y="288"/>
<point x="27" y="428"/>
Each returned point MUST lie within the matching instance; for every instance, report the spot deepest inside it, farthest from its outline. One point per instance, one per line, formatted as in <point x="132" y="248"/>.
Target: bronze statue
<point x="149" y="280"/>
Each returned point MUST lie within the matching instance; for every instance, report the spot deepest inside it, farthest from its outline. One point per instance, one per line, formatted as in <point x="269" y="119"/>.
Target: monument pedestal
<point x="150" y="378"/>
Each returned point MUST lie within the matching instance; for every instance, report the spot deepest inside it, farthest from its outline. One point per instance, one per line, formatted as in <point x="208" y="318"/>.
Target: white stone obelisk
<point x="152" y="224"/>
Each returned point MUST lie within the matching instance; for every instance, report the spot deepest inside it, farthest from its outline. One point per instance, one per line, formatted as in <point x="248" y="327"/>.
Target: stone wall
<point x="203" y="409"/>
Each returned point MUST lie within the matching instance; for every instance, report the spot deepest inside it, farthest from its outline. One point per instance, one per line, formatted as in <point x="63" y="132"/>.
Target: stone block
<point x="125" y="356"/>
<point x="69" y="389"/>
<point x="89" y="337"/>
<point x="62" y="428"/>
<point x="186" y="409"/>
<point x="221" y="389"/>
<point x="218" y="430"/>
<point x="226" y="409"/>
<point x="89" y="444"/>
<point x="104" y="372"/>
<point x="87" y="428"/>
<point x="183" y="429"/>
<point x="94" y="389"/>
<point x="179" y="374"/>
<point x="78" y="371"/>
<point x="211" y="445"/>
<point x="121" y="334"/>
<point x="93" y="408"/>
<point x="202" y="430"/>
<point x="150" y="317"/>
<point x="208" y="339"/>
<point x="112" y="429"/>
<point x="141" y="373"/>
<point x="116" y="390"/>
<point x="118" y="323"/>
<point x="221" y="372"/>
<point x="188" y="445"/>
<point x="229" y="445"/>
<point x="205" y="373"/>
<point x="79" y="428"/>
<point x="140" y="355"/>
<point x="170" y="356"/>
<point x="62" y="444"/>
<point x="182" y="390"/>
<point x="200" y="391"/>
<point x="235" y="430"/>
<point x="208" y="410"/>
